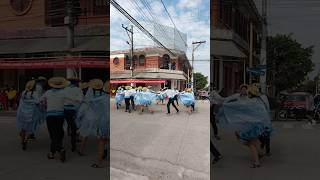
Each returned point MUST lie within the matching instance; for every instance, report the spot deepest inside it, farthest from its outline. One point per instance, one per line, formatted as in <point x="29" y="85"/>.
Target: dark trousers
<point x="132" y="102"/>
<point x="176" y="99"/>
<point x="213" y="121"/>
<point x="171" y="101"/>
<point x="265" y="143"/>
<point x="127" y="101"/>
<point x="56" y="133"/>
<point x="70" y="116"/>
<point x="215" y="152"/>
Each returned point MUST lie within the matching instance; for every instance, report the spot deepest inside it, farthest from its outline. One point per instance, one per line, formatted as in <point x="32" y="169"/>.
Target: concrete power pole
<point x="130" y="35"/>
<point x="263" y="59"/>
<point x="69" y="21"/>
<point x="195" y="45"/>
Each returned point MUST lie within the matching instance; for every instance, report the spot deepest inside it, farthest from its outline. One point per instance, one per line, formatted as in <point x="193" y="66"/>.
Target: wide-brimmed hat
<point x="30" y="85"/>
<point x="188" y="90"/>
<point x="58" y="82"/>
<point x="83" y="85"/>
<point x="140" y="88"/>
<point x="74" y="79"/>
<point x="244" y="85"/>
<point x="96" y="84"/>
<point x="42" y="78"/>
<point x="128" y="87"/>
<point x="254" y="90"/>
<point x="144" y="89"/>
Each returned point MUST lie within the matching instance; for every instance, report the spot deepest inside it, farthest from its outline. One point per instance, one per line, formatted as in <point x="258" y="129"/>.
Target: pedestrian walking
<point x="54" y="99"/>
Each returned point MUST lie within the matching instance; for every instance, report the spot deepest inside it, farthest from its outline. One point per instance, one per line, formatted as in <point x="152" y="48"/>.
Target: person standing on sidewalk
<point x="170" y="93"/>
<point x="54" y="99"/>
<point x="74" y="97"/>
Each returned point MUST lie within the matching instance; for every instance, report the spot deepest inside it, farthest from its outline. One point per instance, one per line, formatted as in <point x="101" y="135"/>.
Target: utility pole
<point x="73" y="10"/>
<point x="263" y="59"/>
<point x="251" y="51"/>
<point x="130" y="35"/>
<point x="195" y="46"/>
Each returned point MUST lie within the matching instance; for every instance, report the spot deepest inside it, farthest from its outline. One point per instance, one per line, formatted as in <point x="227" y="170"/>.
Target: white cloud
<point x="189" y="4"/>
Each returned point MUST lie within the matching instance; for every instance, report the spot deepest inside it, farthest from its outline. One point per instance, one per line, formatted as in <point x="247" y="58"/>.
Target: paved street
<point x="159" y="146"/>
<point x="295" y="152"/>
<point x="34" y="165"/>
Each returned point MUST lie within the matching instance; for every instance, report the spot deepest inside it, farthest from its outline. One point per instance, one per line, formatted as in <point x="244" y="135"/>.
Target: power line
<point x="173" y="22"/>
<point x="137" y="24"/>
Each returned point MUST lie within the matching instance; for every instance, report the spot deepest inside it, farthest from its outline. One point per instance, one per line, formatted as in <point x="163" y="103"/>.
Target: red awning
<point x="137" y="81"/>
<point x="55" y="63"/>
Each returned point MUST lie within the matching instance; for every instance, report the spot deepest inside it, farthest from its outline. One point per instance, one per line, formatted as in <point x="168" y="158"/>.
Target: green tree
<point x="289" y="61"/>
<point x="200" y="81"/>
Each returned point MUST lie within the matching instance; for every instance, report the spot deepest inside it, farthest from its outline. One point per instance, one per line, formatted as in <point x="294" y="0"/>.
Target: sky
<point x="299" y="17"/>
<point x="190" y="17"/>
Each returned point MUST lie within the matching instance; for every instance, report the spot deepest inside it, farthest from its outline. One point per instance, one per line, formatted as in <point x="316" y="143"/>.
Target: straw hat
<point x="140" y="88"/>
<point x="189" y="90"/>
<point x="96" y="84"/>
<point x="42" y="78"/>
<point x="74" y="79"/>
<point x="254" y="90"/>
<point x="149" y="87"/>
<point x="128" y="87"/>
<point x="58" y="82"/>
<point x="244" y="85"/>
<point x="30" y="85"/>
<point x="144" y="89"/>
<point x="83" y="85"/>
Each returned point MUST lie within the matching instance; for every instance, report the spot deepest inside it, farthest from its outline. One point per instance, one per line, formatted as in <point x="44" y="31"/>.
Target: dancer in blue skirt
<point x="29" y="113"/>
<point x="145" y="99"/>
<point x="94" y="118"/>
<point x="249" y="118"/>
<point x="119" y="97"/>
<point x="187" y="99"/>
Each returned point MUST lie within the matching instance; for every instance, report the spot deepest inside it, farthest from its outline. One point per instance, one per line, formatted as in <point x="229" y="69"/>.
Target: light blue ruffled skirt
<point x="145" y="98"/>
<point x="248" y="117"/>
<point x="119" y="98"/>
<point x="187" y="99"/>
<point x="30" y="116"/>
<point x="93" y="118"/>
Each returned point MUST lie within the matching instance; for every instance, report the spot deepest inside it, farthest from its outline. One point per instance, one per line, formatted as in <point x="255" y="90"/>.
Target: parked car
<point x="296" y="105"/>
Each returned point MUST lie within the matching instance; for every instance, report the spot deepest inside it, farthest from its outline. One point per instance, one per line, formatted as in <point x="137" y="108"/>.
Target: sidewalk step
<point x="8" y="113"/>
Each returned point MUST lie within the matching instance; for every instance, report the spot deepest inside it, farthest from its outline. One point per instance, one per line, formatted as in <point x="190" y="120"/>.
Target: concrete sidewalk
<point x="159" y="146"/>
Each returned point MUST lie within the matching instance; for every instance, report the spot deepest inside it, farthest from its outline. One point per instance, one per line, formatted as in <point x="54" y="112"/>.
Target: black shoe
<point x="63" y="156"/>
<point x="50" y="156"/>
<point x="31" y="137"/>
<point x="24" y="145"/>
<point x="268" y="154"/>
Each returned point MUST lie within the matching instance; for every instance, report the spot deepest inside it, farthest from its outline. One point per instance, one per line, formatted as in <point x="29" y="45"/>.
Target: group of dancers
<point x="247" y="114"/>
<point x="144" y="97"/>
<point x="83" y="107"/>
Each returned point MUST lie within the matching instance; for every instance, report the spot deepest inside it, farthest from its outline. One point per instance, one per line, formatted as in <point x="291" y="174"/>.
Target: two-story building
<point x="236" y="27"/>
<point x="152" y="66"/>
<point x="34" y="41"/>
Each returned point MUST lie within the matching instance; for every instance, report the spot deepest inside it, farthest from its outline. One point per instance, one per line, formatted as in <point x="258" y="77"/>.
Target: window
<point x="127" y="63"/>
<point x="21" y="7"/>
<point x="55" y="12"/>
<point x="166" y="62"/>
<point x="100" y="7"/>
<point x="135" y="60"/>
<point x="142" y="60"/>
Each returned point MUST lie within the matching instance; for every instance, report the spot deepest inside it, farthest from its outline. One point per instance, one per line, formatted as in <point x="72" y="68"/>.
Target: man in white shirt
<point x="132" y="94"/>
<point x="170" y="93"/>
<point x="74" y="97"/>
<point x="54" y="100"/>
<point x="127" y="96"/>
